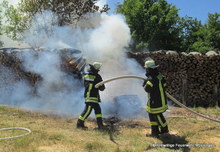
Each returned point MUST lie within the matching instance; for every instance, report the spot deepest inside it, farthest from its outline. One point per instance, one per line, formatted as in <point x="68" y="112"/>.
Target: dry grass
<point x="55" y="134"/>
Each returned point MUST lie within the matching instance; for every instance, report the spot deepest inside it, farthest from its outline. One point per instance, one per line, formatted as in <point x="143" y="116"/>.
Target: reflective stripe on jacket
<point x="91" y="93"/>
<point x="157" y="102"/>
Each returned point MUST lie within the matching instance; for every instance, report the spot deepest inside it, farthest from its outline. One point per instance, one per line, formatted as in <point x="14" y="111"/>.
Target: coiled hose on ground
<point x="168" y="95"/>
<point x="28" y="131"/>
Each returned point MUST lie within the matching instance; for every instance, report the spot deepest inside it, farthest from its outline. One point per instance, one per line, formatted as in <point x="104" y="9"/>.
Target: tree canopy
<point x="153" y="23"/>
<point x="68" y="12"/>
<point x="203" y="38"/>
<point x="156" y="25"/>
<point x="1" y="30"/>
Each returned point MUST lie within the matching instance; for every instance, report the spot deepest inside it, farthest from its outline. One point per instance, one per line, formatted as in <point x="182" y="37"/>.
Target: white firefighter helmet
<point x="97" y="65"/>
<point x="150" y="64"/>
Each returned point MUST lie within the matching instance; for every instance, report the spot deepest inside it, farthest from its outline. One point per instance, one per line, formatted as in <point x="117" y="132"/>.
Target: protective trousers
<point x="87" y="111"/>
<point x="158" y="121"/>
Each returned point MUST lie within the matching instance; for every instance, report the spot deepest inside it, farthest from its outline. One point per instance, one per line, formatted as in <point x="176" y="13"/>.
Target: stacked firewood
<point x="14" y="64"/>
<point x="10" y="61"/>
<point x="192" y="78"/>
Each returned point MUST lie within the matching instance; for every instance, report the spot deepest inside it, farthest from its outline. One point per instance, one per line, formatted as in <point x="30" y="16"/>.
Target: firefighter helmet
<point x="150" y="64"/>
<point x="97" y="65"/>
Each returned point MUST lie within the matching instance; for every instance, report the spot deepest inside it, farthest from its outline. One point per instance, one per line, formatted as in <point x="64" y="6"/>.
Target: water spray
<point x="168" y="95"/>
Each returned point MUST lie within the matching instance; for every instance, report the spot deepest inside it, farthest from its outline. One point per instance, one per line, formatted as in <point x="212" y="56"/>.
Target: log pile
<point x="14" y="64"/>
<point x="191" y="78"/>
<point x="9" y="60"/>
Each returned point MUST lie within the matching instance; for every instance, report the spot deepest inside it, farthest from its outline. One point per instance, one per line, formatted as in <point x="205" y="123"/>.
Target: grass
<point x="54" y="134"/>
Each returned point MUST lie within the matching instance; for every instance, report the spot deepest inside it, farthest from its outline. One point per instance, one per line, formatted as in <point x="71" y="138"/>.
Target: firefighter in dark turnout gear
<point x="157" y="102"/>
<point x="92" y="97"/>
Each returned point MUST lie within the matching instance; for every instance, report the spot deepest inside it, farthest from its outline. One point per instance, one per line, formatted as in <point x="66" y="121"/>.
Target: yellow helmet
<point x="97" y="65"/>
<point x="150" y="64"/>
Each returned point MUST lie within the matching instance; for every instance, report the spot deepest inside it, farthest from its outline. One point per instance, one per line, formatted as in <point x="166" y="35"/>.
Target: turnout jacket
<point x="154" y="86"/>
<point x="91" y="93"/>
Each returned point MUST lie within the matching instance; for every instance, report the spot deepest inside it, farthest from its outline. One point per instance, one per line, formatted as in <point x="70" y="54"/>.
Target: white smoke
<point x="109" y="41"/>
<point x="105" y="42"/>
<point x="41" y="29"/>
<point x="101" y="3"/>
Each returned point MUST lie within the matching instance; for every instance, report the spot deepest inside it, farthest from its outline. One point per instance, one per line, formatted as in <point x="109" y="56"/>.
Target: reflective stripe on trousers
<point x="157" y="120"/>
<point x="88" y="109"/>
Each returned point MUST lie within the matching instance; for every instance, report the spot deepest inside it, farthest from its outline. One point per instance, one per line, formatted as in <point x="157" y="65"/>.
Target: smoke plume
<point x="101" y="38"/>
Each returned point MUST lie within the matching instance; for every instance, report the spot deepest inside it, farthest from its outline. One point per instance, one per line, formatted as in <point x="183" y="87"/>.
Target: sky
<point x="193" y="8"/>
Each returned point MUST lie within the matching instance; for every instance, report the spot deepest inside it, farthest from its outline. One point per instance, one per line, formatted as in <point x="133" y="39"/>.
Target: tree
<point x="189" y="28"/>
<point x="15" y="19"/>
<point x="68" y="11"/>
<point x="1" y="30"/>
<point x="153" y="24"/>
<point x="214" y="30"/>
<point x="208" y="35"/>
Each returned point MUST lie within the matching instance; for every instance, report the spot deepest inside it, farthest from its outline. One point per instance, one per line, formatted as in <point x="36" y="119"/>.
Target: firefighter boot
<point x="100" y="124"/>
<point x="164" y="130"/>
<point x="80" y="124"/>
<point x="154" y="132"/>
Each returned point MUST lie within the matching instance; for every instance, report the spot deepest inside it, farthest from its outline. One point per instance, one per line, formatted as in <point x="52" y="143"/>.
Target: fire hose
<point x="15" y="128"/>
<point x="167" y="94"/>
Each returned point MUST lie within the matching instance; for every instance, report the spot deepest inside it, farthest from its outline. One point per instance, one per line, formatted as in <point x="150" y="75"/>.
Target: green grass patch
<point x="51" y="133"/>
<point x="94" y="146"/>
<point x="57" y="137"/>
<point x="21" y="142"/>
<point x="2" y="109"/>
<point x="212" y="111"/>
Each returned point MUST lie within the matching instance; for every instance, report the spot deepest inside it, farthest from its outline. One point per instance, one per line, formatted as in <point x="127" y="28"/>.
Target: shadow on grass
<point x="110" y="128"/>
<point x="178" y="142"/>
<point x="172" y="141"/>
<point x="114" y="122"/>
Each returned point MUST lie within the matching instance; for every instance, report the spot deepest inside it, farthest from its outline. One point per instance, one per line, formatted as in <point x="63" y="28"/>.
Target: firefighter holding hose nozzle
<point x="92" y="97"/>
<point x="157" y="102"/>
